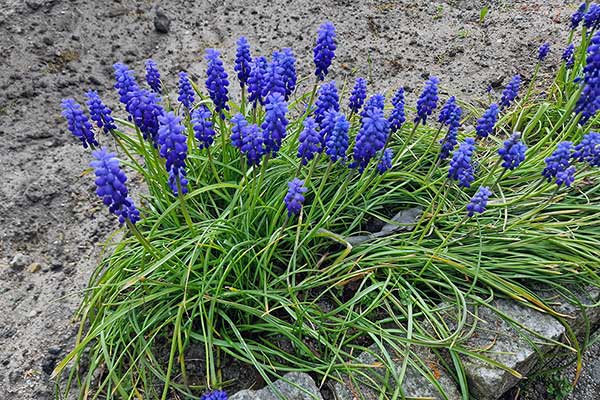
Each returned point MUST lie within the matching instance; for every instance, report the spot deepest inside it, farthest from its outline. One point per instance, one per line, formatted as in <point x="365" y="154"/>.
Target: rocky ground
<point x="53" y="227"/>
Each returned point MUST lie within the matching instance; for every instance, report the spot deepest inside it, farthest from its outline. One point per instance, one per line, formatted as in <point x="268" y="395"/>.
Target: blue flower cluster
<point x="588" y="150"/>
<point x="510" y="92"/>
<point x="295" y="196"/>
<point x="589" y="101"/>
<point x="238" y="124"/>
<point x="243" y="61"/>
<point x="427" y="102"/>
<point x="337" y="141"/>
<point x="371" y="137"/>
<point x="568" y="56"/>
<point x="324" y="50"/>
<point x="450" y="141"/>
<point x="461" y="168"/>
<point x="358" y="95"/>
<point x="214" y="395"/>
<point x="485" y="124"/>
<point x="144" y="109"/>
<point x="578" y="15"/>
<point x="386" y="161"/>
<point x="216" y="81"/>
<point x="275" y="123"/>
<point x="328" y="100"/>
<point x="310" y="141"/>
<point x="286" y="60"/>
<point x="543" y="51"/>
<point x="173" y="148"/>
<point x="274" y="82"/>
<point x="398" y="117"/>
<point x="125" y="82"/>
<point x="591" y="19"/>
<point x="479" y="201"/>
<point x="99" y="113"/>
<point x="153" y="76"/>
<point x="203" y="127"/>
<point x="186" y="92"/>
<point x="257" y="80"/>
<point x="446" y="111"/>
<point x="558" y="165"/>
<point x="513" y="152"/>
<point x="78" y="123"/>
<point x="253" y="144"/>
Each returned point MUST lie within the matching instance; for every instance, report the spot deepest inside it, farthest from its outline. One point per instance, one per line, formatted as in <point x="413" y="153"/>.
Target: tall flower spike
<point x="485" y="124"/>
<point x="275" y="123"/>
<point x="203" y="127"/>
<point x="99" y="113"/>
<point x="591" y="18"/>
<point x="253" y="144"/>
<point x="510" y="92"/>
<point x="214" y="395"/>
<point x="588" y="150"/>
<point x="286" y="60"/>
<point x="386" y="161"/>
<point x="274" y="82"/>
<point x="243" y="61"/>
<point x="371" y="137"/>
<point x="376" y="101"/>
<point x="358" y="95"/>
<point x="336" y="142"/>
<point x="513" y="152"/>
<point x="257" y="80"/>
<point x="238" y="123"/>
<point x="310" y="141"/>
<point x="543" y="51"/>
<point x="447" y="109"/>
<point x="479" y="201"/>
<point x="398" y="117"/>
<point x="110" y="186"/>
<point x="589" y="101"/>
<point x="78" y="123"/>
<point x="428" y="100"/>
<point x="461" y="167"/>
<point x="328" y="100"/>
<point x="125" y="82"/>
<point x="173" y="148"/>
<point x="568" y="56"/>
<point x="153" y="76"/>
<point x="144" y="110"/>
<point x="450" y="141"/>
<point x="578" y="16"/>
<point x="294" y="197"/>
<point x="558" y="165"/>
<point x="186" y="92"/>
<point x="324" y="50"/>
<point x="216" y="81"/>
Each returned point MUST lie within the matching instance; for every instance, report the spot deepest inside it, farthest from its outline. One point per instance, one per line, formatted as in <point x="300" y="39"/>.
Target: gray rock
<point x="162" y="23"/>
<point x="20" y="261"/>
<point x="293" y="386"/>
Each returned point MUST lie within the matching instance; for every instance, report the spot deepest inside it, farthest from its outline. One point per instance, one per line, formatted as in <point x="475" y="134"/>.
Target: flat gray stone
<point x="293" y="386"/>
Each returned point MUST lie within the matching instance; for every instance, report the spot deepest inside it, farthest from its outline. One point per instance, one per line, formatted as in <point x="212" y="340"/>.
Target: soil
<point x="53" y="227"/>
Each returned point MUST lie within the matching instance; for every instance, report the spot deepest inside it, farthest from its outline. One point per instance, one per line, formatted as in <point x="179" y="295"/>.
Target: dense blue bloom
<point x="286" y="60"/>
<point x="578" y="16"/>
<point x="591" y="19"/>
<point x="274" y="82"/>
<point x="216" y="81"/>
<point x="238" y="123"/>
<point x="569" y="56"/>
<point x="397" y="118"/>
<point x="513" y="152"/>
<point x="558" y="164"/>
<point x="253" y="144"/>
<point x="203" y="126"/>
<point x="358" y="95"/>
<point x="99" y="113"/>
<point x="78" y="123"/>
<point x="589" y="101"/>
<point x="125" y="82"/>
<point x="186" y="92"/>
<point x="479" y="201"/>
<point x="588" y="150"/>
<point x="386" y="161"/>
<point x="543" y="51"/>
<point x="371" y="137"/>
<point x="243" y="61"/>
<point x="485" y="124"/>
<point x="110" y="186"/>
<point x="461" y="167"/>
<point x="336" y="142"/>
<point x="451" y="139"/>
<point x="257" y="80"/>
<point x="144" y="110"/>
<point x="328" y="100"/>
<point x="153" y="76"/>
<point x="173" y="148"/>
<point x="214" y="395"/>
<point x="511" y="91"/>
<point x="294" y="197"/>
<point x="310" y="141"/>
<point x="447" y="110"/>
<point x="275" y="122"/>
<point x="375" y="101"/>
<point x="324" y="50"/>
<point x="427" y="102"/>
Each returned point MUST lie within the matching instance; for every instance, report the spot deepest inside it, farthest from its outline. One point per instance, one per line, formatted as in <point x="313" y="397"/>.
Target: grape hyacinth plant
<point x="324" y="50"/>
<point x="78" y="123"/>
<point x="153" y="76"/>
<point x="358" y="96"/>
<point x="511" y="92"/>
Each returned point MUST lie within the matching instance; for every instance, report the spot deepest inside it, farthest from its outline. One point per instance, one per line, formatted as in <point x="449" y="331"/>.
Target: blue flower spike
<point x="461" y="166"/>
<point x="216" y="81"/>
<point x="513" y="152"/>
<point x="78" y="123"/>
<point x="100" y="113"/>
<point x="295" y="196"/>
<point x="324" y="50"/>
<point x="153" y="76"/>
<point x="186" y="92"/>
<point x="479" y="201"/>
<point x="428" y="100"/>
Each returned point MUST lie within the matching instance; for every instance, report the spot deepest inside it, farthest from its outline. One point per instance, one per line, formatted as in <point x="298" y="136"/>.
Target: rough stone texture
<point x="293" y="386"/>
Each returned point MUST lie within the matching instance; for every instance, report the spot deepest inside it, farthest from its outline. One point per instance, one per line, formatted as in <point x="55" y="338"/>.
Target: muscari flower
<point x="371" y="137"/>
<point x="427" y="102"/>
<point x="479" y="201"/>
<point x="569" y="56"/>
<point x="485" y="124"/>
<point x="216" y="81"/>
<point x="153" y="76"/>
<point x="588" y="150"/>
<point x="186" y="92"/>
<point x="257" y="80"/>
<point x="461" y="167"/>
<point x="558" y="165"/>
<point x="591" y="18"/>
<point x="238" y="123"/>
<point x="100" y="113"/>
<point x="275" y="123"/>
<point x="286" y="60"/>
<point x="294" y="197"/>
<point x="243" y="61"/>
<point x="450" y="141"/>
<point x="578" y="16"/>
<point x="375" y="101"/>
<point x="386" y="161"/>
<point x="328" y="100"/>
<point x="447" y="109"/>
<point x="214" y="395"/>
<point x="173" y="148"/>
<point x="203" y="126"/>
<point x="513" y="152"/>
<point x="110" y="186"/>
<point x="336" y="142"/>
<point x="543" y="51"/>
<point x="310" y="141"/>
<point x="589" y="101"/>
<point x="324" y="50"/>
<point x="125" y="82"/>
<point x="253" y="144"/>
<point x="274" y="82"/>
<point x="144" y="110"/>
<point x="397" y="118"/>
<point x="358" y="95"/>
<point x="510" y="92"/>
<point x="78" y="123"/>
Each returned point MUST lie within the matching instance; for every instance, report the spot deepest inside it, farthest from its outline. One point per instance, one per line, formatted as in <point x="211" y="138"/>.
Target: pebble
<point x="20" y="261"/>
<point x="162" y="23"/>
<point x="34" y="267"/>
